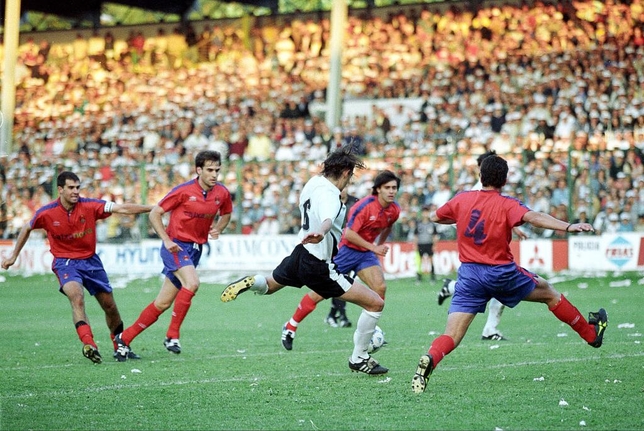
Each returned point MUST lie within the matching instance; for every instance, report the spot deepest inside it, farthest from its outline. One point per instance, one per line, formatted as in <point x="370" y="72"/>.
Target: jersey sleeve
<point x="36" y="221"/>
<point x="516" y="213"/>
<point x="226" y="204"/>
<point x="171" y="201"/>
<point x="446" y="212"/>
<point x="396" y="214"/>
<point x="102" y="209"/>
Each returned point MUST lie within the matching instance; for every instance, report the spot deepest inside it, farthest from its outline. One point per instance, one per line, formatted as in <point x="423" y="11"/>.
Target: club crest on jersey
<point x="82" y="220"/>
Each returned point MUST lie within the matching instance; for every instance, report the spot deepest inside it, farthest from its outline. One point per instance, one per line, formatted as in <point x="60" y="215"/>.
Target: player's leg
<point x="374" y="277"/>
<point x="448" y="289"/>
<point x="456" y="328"/>
<point x="372" y="305"/>
<point x="113" y="320"/>
<point x="332" y="316"/>
<point x="288" y="272"/>
<point x="189" y="284"/>
<point x="469" y="299"/>
<point x="418" y="258"/>
<point x="341" y="307"/>
<point x="148" y="316"/>
<point x="430" y="259"/>
<point x="307" y="304"/>
<point x="494" y="312"/>
<point x="97" y="284"/>
<point x="75" y="293"/>
<point x="591" y="331"/>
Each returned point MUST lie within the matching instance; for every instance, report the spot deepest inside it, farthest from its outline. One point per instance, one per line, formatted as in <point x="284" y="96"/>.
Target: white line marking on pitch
<point x="250" y="379"/>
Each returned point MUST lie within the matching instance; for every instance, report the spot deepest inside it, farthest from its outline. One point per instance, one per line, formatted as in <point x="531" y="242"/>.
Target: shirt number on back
<point x="305" y="215"/>
<point x="475" y="228"/>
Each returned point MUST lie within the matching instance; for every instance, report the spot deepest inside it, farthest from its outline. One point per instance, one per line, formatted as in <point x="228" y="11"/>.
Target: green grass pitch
<point x="234" y="374"/>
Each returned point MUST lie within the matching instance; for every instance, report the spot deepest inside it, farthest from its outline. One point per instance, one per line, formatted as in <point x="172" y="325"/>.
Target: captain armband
<point x="108" y="207"/>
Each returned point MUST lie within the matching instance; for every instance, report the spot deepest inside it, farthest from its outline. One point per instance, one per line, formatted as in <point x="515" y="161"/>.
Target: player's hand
<point x="214" y="233"/>
<point x="519" y="233"/>
<point x="172" y="246"/>
<point x="381" y="250"/>
<point x="6" y="263"/>
<point x="312" y="238"/>
<point x="580" y="227"/>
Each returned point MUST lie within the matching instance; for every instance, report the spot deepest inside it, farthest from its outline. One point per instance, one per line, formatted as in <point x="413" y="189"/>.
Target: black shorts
<point x="427" y="249"/>
<point x="301" y="268"/>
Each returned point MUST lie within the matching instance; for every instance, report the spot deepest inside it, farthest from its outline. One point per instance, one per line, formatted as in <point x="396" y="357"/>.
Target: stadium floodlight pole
<point x="333" y="94"/>
<point x="11" y="34"/>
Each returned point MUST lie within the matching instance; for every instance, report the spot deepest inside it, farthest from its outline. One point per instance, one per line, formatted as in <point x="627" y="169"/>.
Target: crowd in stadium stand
<point x="557" y="89"/>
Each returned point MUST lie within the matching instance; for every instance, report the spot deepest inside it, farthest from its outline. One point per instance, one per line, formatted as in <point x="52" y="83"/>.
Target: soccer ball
<point x="377" y="340"/>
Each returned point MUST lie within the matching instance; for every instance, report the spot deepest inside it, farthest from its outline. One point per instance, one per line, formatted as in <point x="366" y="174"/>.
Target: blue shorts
<point x="349" y="259"/>
<point x="189" y="255"/>
<point x="88" y="272"/>
<point x="477" y="284"/>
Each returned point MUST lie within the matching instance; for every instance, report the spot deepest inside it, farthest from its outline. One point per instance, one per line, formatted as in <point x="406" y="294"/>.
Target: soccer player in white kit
<point x="310" y="263"/>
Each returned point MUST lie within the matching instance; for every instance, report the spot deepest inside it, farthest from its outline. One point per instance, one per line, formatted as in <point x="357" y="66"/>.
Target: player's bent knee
<point x="376" y="306"/>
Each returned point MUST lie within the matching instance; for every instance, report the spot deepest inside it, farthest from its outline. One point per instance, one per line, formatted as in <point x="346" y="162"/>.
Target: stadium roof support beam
<point x="11" y="37"/>
<point x="339" y="13"/>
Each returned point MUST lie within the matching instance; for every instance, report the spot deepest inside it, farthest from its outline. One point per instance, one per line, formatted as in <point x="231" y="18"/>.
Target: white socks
<point x="261" y="286"/>
<point x="495" y="309"/>
<point x="451" y="287"/>
<point x="361" y="337"/>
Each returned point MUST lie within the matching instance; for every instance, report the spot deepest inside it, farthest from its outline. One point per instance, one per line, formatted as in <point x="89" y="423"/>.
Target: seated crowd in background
<point x="557" y="90"/>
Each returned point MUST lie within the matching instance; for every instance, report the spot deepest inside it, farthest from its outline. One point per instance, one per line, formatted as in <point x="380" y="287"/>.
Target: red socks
<point x="181" y="306"/>
<point x="304" y="308"/>
<point x="84" y="332"/>
<point x="440" y="347"/>
<point x="568" y="313"/>
<point x="148" y="316"/>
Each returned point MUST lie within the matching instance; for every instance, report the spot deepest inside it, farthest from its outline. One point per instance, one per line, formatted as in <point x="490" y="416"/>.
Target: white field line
<point x="469" y="347"/>
<point x="253" y="380"/>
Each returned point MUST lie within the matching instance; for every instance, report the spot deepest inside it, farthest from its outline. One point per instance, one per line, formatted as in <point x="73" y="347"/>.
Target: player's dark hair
<point x="207" y="156"/>
<point x="494" y="172"/>
<point x="339" y="161"/>
<point x="383" y="178"/>
<point x="483" y="156"/>
<point x="62" y="178"/>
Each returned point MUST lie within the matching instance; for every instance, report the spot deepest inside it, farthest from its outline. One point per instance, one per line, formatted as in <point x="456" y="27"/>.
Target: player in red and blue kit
<point x="484" y="222"/>
<point x="70" y="223"/>
<point x="198" y="209"/>
<point x="369" y="224"/>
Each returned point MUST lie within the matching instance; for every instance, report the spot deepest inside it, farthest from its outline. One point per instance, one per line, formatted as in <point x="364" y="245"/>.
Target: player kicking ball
<point x="310" y="263"/>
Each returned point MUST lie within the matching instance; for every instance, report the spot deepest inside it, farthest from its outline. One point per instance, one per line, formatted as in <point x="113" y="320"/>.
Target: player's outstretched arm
<point x="547" y="221"/>
<point x="131" y="208"/>
<point x="23" y="236"/>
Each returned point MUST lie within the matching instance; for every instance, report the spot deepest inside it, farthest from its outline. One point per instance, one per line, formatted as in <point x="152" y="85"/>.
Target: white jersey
<point x="320" y="200"/>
